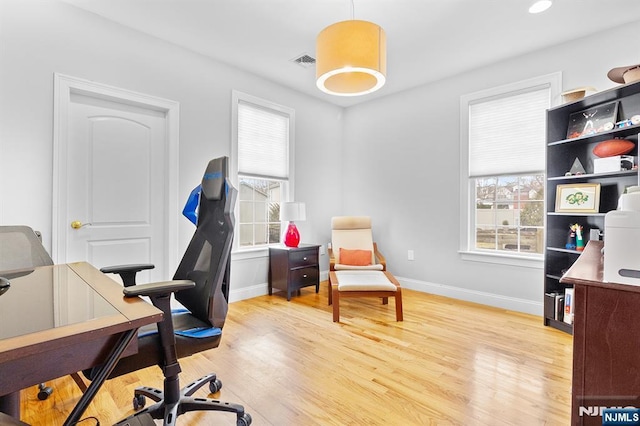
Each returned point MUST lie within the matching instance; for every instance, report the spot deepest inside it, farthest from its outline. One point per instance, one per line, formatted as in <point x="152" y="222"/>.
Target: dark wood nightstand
<point x="291" y="268"/>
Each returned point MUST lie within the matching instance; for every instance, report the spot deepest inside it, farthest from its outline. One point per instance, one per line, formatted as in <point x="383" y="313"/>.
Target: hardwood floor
<point x="449" y="362"/>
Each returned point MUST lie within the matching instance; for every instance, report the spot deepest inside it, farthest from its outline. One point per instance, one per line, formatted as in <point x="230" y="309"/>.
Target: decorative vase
<point x="292" y="236"/>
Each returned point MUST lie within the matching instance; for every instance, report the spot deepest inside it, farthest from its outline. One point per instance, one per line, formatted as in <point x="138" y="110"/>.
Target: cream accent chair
<point x="353" y="233"/>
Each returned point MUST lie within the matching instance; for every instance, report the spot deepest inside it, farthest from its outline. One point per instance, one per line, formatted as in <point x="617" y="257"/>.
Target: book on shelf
<point x="554" y="308"/>
<point x="549" y="305"/>
<point x="559" y="307"/>
<point x="568" y="305"/>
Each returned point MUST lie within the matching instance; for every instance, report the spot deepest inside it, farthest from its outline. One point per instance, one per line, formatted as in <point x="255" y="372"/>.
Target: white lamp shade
<point x="351" y="58"/>
<point x="292" y="211"/>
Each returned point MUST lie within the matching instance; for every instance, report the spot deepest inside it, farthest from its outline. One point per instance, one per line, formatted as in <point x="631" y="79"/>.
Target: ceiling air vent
<point x="304" y="60"/>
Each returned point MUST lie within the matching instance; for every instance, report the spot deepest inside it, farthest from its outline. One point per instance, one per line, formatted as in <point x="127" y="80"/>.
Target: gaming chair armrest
<point x="159" y="288"/>
<point x="127" y="272"/>
<point x="160" y="293"/>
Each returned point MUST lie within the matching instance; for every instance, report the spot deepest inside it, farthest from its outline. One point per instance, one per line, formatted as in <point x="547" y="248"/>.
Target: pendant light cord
<point x="352" y="11"/>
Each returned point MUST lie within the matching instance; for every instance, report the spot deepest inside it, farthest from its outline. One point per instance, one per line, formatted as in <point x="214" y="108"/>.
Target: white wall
<point x="394" y="158"/>
<point x="38" y="38"/>
<point x="402" y="164"/>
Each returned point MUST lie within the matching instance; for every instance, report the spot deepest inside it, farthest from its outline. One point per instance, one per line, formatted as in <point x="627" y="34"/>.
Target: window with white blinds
<point x="263" y="142"/>
<point x="261" y="154"/>
<point x="502" y="162"/>
<point x="507" y="133"/>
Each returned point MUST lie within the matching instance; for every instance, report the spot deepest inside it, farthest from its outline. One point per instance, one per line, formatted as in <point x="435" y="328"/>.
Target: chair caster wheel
<point x="139" y="401"/>
<point x="215" y="386"/>
<point x="245" y="420"/>
<point x="44" y="392"/>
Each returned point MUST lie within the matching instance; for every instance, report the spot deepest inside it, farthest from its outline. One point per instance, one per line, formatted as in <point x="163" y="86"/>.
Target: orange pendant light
<point x="351" y="58"/>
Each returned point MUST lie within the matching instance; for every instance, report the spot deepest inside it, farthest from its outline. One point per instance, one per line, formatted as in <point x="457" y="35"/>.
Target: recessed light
<point x="540" y="6"/>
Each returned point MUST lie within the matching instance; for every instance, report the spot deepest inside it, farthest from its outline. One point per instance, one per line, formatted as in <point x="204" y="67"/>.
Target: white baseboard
<point x="248" y="292"/>
<point x="490" y="299"/>
<point x="260" y="290"/>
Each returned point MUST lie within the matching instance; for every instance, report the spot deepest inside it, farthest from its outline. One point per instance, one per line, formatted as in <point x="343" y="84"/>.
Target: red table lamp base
<point x="292" y="236"/>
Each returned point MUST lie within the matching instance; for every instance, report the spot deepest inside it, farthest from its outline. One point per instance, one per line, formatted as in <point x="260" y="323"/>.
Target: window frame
<point x="467" y="248"/>
<point x="287" y="184"/>
<point x="508" y="204"/>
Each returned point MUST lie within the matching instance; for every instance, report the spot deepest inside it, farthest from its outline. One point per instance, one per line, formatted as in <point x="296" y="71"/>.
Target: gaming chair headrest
<point x="214" y="179"/>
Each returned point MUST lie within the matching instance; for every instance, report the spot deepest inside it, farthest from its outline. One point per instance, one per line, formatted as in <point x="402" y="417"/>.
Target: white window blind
<point x="507" y="133"/>
<point x="263" y="142"/>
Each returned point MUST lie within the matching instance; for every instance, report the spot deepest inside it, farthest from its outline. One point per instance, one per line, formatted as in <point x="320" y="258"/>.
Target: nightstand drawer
<point x="305" y="276"/>
<point x="301" y="258"/>
<point x="292" y="268"/>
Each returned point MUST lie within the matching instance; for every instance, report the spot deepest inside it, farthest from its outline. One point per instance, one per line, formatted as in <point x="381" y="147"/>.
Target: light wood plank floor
<point x="449" y="362"/>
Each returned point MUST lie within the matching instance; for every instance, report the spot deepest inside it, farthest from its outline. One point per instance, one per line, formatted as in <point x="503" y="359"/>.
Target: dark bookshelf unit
<point x="561" y="153"/>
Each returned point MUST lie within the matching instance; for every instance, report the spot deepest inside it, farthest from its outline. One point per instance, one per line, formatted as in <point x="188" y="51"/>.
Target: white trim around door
<point x="64" y="87"/>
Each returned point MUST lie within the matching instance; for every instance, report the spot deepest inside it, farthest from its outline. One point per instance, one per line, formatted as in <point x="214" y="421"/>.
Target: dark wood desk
<point x="57" y="320"/>
<point x="606" y="339"/>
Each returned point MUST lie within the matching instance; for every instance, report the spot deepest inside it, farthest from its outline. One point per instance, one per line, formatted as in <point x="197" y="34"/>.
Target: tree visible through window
<point x="502" y="161"/>
<point x="510" y="213"/>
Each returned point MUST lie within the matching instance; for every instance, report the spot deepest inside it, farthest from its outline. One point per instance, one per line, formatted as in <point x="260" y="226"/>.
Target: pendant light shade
<point x="351" y="58"/>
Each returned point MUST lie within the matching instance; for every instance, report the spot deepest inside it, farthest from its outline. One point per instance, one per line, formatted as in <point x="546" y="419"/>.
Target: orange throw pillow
<point x="355" y="257"/>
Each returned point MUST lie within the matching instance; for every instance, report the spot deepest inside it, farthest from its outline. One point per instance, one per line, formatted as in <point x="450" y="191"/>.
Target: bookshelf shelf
<point x="561" y="152"/>
<point x="590" y="176"/>
<point x="564" y="250"/>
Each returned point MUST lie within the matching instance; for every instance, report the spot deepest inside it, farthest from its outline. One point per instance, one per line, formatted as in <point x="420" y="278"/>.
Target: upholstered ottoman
<point x="364" y="284"/>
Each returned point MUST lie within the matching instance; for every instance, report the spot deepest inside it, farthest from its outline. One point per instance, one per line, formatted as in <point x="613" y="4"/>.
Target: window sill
<point x="250" y="253"/>
<point x="503" y="259"/>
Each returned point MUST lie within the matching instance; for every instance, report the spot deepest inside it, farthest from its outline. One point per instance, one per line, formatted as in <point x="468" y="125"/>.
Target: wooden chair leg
<point x="399" y="315"/>
<point x="336" y="303"/>
<point x="330" y="292"/>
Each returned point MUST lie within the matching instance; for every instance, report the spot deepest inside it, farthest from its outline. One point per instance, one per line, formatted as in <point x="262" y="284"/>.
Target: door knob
<point x="76" y="224"/>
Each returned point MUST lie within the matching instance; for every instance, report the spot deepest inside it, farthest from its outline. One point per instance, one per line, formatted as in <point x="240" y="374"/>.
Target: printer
<point x="622" y="240"/>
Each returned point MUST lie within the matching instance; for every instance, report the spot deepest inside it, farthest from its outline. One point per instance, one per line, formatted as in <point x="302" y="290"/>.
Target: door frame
<point x="63" y="87"/>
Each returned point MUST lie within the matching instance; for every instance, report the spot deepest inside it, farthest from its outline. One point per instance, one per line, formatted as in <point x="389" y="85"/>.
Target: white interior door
<point x="116" y="201"/>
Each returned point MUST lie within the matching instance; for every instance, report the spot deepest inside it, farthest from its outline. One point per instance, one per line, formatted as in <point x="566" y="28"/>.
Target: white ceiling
<point x="426" y="39"/>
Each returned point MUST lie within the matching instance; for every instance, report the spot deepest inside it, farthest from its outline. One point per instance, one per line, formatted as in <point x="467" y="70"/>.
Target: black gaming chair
<point x="21" y="249"/>
<point x="201" y="285"/>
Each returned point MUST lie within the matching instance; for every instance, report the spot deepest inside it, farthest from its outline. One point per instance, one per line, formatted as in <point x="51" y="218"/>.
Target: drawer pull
<point x="304" y="276"/>
<point x="304" y="258"/>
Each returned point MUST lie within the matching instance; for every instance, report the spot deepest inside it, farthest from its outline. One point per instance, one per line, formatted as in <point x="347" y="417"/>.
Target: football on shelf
<point x="612" y="147"/>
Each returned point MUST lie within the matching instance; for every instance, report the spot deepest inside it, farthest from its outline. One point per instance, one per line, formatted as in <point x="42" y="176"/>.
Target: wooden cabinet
<point x="606" y="361"/>
<point x="561" y="153"/>
<point x="291" y="268"/>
